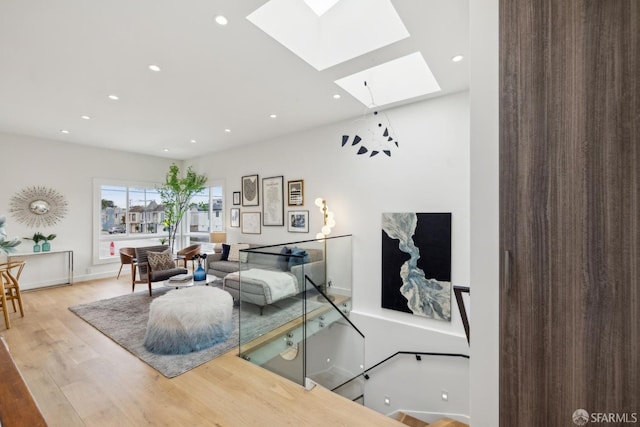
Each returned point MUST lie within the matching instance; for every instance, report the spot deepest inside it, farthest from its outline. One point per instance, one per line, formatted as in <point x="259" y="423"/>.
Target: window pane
<point x="199" y="212"/>
<point x="217" y="220"/>
<point x="146" y="212"/>
<point x="113" y="210"/>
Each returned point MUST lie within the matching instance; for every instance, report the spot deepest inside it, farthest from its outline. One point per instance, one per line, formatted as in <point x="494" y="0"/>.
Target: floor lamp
<point x="328" y="222"/>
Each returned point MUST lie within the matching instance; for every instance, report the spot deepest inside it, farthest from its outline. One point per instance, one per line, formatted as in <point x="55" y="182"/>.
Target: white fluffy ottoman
<point x="187" y="320"/>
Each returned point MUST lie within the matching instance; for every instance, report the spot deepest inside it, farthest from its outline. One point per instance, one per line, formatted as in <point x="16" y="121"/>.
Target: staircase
<point x="414" y="422"/>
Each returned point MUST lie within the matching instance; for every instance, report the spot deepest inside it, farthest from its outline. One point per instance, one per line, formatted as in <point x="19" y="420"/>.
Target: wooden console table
<point x="69" y="257"/>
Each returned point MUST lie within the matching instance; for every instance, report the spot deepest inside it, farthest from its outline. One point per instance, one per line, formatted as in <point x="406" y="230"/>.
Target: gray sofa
<point x="256" y="291"/>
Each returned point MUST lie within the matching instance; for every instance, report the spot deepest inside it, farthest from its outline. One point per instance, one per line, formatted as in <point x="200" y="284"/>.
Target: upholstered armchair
<point x="155" y="264"/>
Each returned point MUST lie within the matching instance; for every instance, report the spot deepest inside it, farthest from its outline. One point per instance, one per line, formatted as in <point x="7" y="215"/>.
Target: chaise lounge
<point x="266" y="277"/>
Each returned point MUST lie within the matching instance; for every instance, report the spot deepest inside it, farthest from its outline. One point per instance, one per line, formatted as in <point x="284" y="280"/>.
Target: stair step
<point x="410" y="421"/>
<point x="415" y="422"/>
<point x="448" y="422"/>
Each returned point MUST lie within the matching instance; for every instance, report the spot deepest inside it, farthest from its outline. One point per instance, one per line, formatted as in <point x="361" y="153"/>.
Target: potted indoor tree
<point x="176" y="193"/>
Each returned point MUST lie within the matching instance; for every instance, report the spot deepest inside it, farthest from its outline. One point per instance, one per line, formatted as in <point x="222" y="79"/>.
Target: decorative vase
<point x="199" y="275"/>
<point x="36" y="248"/>
<point x="46" y="247"/>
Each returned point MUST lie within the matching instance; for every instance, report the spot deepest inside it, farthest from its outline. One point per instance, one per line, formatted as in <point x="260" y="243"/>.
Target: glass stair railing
<point x="295" y="301"/>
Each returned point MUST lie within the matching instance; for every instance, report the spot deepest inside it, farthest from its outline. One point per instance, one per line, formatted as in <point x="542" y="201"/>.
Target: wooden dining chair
<point x="10" y="289"/>
<point x="127" y="256"/>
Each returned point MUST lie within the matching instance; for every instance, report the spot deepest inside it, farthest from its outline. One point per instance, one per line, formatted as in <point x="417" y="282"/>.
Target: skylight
<point x="398" y="80"/>
<point x="319" y="7"/>
<point x="346" y="30"/>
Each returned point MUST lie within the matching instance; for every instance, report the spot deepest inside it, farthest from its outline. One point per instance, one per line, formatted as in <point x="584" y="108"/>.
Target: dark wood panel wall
<point x="569" y="209"/>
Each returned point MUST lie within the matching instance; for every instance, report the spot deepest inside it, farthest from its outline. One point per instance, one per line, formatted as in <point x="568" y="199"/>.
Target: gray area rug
<point x="124" y="320"/>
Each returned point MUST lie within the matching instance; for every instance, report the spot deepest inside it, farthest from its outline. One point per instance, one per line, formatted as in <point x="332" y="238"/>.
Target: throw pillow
<point x="234" y="251"/>
<point x="225" y="252"/>
<point x="283" y="259"/>
<point x="160" y="260"/>
<point x="298" y="256"/>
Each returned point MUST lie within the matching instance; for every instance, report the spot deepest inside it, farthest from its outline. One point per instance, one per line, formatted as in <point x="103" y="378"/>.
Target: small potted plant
<point x="46" y="246"/>
<point x="37" y="238"/>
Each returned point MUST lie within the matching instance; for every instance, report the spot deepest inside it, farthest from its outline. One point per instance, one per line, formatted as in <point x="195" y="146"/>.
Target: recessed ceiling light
<point x="85" y="117"/>
<point x="166" y="150"/>
<point x="114" y="97"/>
<point x="154" y="67"/>
<point x="273" y="116"/>
<point x="193" y="141"/>
<point x="457" y="58"/>
<point x="221" y="20"/>
<point x="337" y="96"/>
<point x="64" y="131"/>
<point x="227" y="130"/>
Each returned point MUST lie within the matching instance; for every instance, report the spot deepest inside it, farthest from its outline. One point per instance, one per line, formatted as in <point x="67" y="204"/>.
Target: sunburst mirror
<point x="38" y="206"/>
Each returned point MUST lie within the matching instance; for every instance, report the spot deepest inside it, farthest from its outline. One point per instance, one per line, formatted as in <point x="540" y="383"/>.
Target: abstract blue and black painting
<point x="416" y="263"/>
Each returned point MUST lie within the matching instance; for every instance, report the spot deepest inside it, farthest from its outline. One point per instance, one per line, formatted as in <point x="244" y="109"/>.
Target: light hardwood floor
<point x="79" y="377"/>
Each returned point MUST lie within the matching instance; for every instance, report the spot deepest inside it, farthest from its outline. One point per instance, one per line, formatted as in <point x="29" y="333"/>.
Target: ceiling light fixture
<point x="273" y="116"/>
<point x="64" y="131"/>
<point x="377" y="133"/>
<point x="154" y="67"/>
<point x="85" y="117"/>
<point x="337" y="96"/>
<point x="166" y="150"/>
<point x="221" y="20"/>
<point x="193" y="141"/>
<point x="227" y="130"/>
<point x="114" y="97"/>
<point x="457" y="58"/>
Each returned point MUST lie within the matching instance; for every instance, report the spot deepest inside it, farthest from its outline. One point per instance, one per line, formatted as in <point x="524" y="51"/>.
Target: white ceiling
<point x="60" y="60"/>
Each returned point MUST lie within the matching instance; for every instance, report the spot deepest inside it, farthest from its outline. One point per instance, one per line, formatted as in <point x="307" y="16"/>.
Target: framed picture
<point x="250" y="223"/>
<point x="235" y="217"/>
<point x="250" y="191"/>
<point x="273" y="201"/>
<point x="236" y="198"/>
<point x="298" y="221"/>
<point x="295" y="192"/>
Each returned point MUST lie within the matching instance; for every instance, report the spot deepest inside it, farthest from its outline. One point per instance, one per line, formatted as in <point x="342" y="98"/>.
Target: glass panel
<point x="287" y="325"/>
<point x="271" y="312"/>
<point x="334" y="346"/>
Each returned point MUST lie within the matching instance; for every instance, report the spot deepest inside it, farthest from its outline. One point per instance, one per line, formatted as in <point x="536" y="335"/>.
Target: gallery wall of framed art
<point x="273" y="193"/>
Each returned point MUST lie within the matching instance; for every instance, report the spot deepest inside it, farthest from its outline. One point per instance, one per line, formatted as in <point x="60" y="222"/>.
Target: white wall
<point x="69" y="169"/>
<point x="429" y="172"/>
<point x="484" y="212"/>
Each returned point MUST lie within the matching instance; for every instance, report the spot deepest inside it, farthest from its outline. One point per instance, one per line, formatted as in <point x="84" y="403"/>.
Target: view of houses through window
<point x="133" y="216"/>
